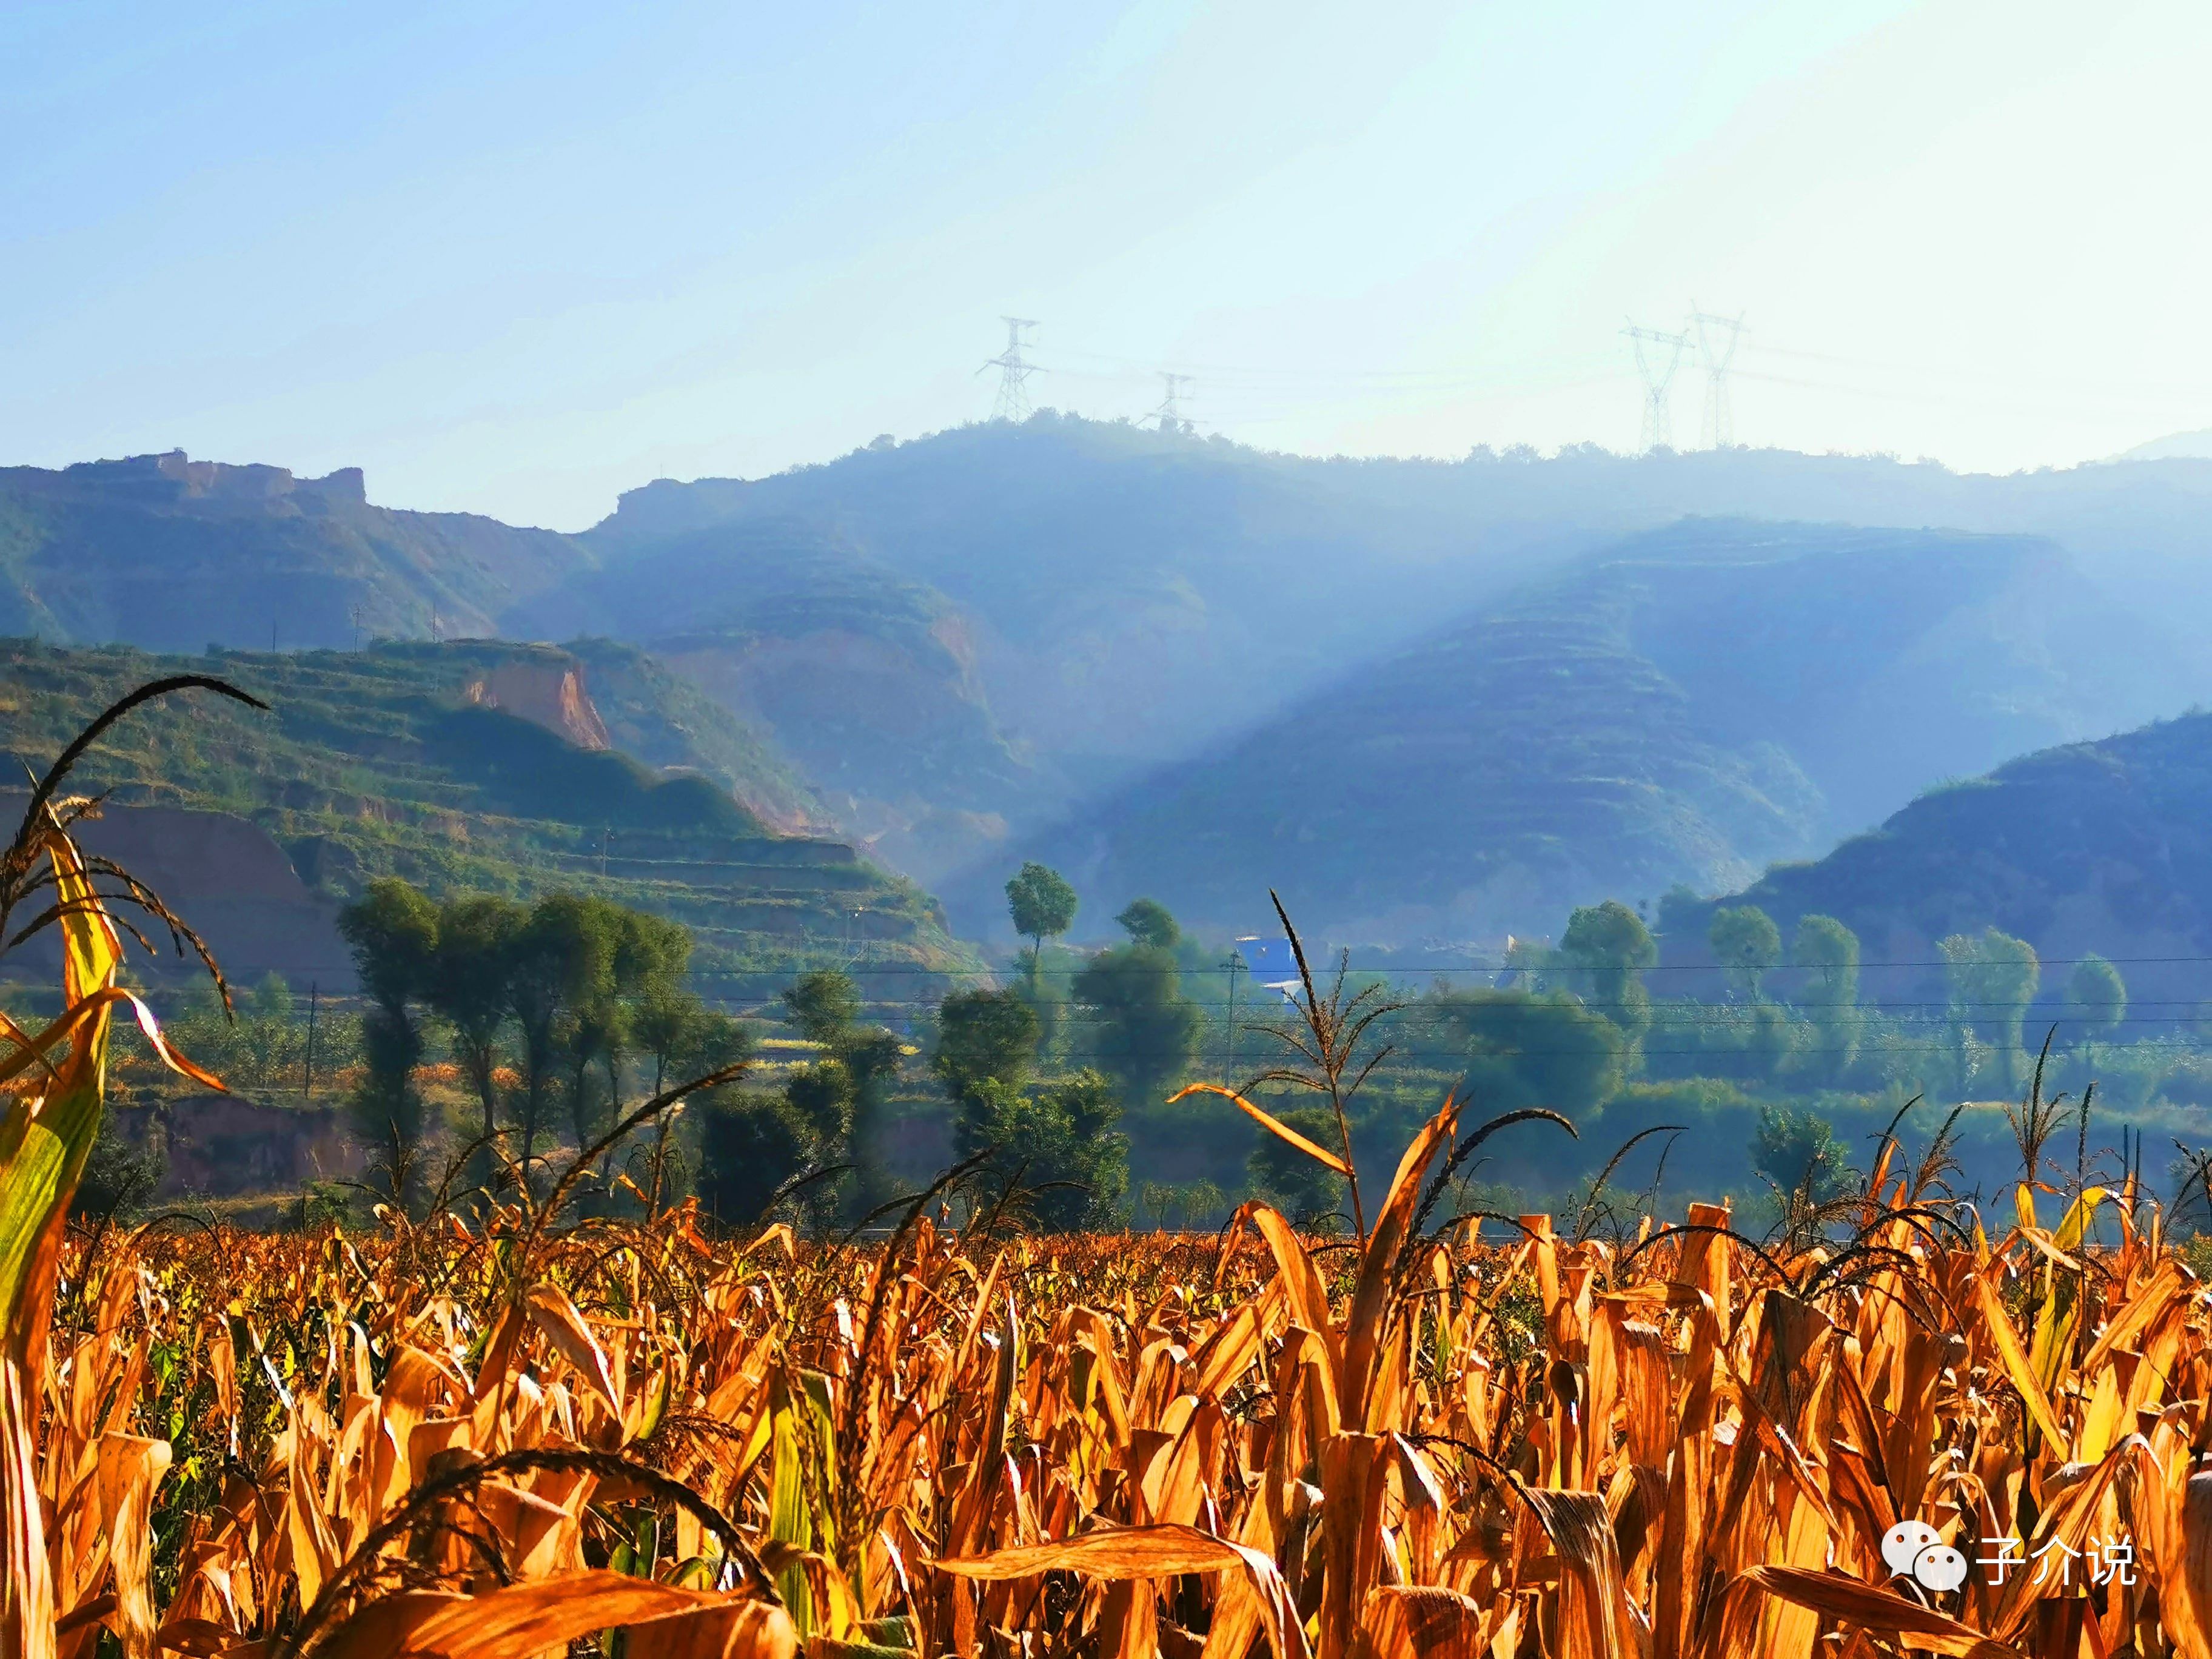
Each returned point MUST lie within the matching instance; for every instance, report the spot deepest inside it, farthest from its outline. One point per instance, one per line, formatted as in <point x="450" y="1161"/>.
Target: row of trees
<point x="554" y="1013"/>
<point x="1992" y="980"/>
<point x="557" y="1004"/>
<point x="1134" y="1023"/>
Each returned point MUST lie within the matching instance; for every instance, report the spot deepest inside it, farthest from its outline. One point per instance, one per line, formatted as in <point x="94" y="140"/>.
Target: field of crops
<point x="447" y="1443"/>
<point x="1898" y="1425"/>
<point x="441" y="1441"/>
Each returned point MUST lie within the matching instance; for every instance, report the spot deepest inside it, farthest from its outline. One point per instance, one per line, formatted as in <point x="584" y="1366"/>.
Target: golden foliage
<point x="504" y="1437"/>
<point x="419" y="1441"/>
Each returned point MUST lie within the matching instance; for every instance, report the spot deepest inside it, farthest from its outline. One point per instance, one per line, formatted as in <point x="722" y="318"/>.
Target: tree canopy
<point x="1041" y="902"/>
<point x="2096" y="996"/>
<point x="1146" y="922"/>
<point x="1748" y="945"/>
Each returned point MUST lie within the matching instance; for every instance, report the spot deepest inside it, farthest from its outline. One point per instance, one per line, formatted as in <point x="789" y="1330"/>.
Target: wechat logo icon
<point x="1916" y="1547"/>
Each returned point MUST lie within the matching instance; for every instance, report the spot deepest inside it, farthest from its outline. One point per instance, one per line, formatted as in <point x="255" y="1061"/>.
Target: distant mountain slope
<point x="170" y="554"/>
<point x="2174" y="446"/>
<point x="1133" y="594"/>
<point x="958" y="638"/>
<point x="2103" y="846"/>
<point x="1128" y="593"/>
<point x="459" y="767"/>
<point x="1685" y="708"/>
<point x="866" y="679"/>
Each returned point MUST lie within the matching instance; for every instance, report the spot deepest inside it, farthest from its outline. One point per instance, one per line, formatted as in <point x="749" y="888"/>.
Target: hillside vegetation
<point x="966" y="638"/>
<point x="172" y="554"/>
<point x="1684" y="709"/>
<point x="2092" y="847"/>
<point x="867" y="680"/>
<point x="400" y="761"/>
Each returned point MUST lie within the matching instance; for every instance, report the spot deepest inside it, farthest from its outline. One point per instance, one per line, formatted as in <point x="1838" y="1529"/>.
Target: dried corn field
<point x="442" y="1441"/>
<point x="527" y="1432"/>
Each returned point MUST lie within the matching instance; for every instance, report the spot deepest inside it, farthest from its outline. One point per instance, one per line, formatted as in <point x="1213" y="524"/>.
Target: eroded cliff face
<point x="550" y="694"/>
<point x="229" y="879"/>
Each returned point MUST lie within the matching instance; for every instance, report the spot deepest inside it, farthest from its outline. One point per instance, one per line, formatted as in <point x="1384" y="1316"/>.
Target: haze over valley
<point x="1433" y="703"/>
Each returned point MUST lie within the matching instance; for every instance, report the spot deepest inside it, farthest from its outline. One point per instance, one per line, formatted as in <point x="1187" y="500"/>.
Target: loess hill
<point x="2102" y="847"/>
<point x="966" y="639"/>
<point x="1683" y="708"/>
<point x="471" y="765"/>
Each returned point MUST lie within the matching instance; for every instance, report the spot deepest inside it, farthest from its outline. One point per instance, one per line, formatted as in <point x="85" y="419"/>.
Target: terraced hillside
<point x="2102" y="847"/>
<point x="866" y="680"/>
<point x="1686" y="708"/>
<point x="480" y="766"/>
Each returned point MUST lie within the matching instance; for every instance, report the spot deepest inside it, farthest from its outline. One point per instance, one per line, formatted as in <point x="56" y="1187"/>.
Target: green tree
<point x="1526" y="1049"/>
<point x="651" y="956"/>
<point x="751" y="1147"/>
<point x="684" y="1039"/>
<point x="825" y="1008"/>
<point x="2096" y="997"/>
<point x="120" y="1173"/>
<point x="392" y="931"/>
<point x="1797" y="1149"/>
<point x="1748" y="945"/>
<point x="823" y="1005"/>
<point x="1610" y="944"/>
<point x="1828" y="952"/>
<point x="268" y="1031"/>
<point x="562" y="962"/>
<point x="591" y="1018"/>
<point x="1042" y="907"/>
<point x="1307" y="1191"/>
<point x="1993" y="978"/>
<point x="822" y="1095"/>
<point x="1056" y="1146"/>
<point x="469" y="989"/>
<point x="983" y="1034"/>
<point x="1144" y="1031"/>
<point x="1146" y="922"/>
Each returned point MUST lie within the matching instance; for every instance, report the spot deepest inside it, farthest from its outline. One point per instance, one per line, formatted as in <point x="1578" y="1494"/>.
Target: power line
<point x="1403" y="970"/>
<point x="1013" y="403"/>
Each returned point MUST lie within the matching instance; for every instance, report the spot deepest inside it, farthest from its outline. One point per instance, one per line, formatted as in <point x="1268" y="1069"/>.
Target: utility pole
<point x="1717" y="338"/>
<point x="308" y="1082"/>
<point x="1170" y="413"/>
<point x="606" y="835"/>
<point x="1655" y="369"/>
<point x="1235" y="965"/>
<point x="1013" y="403"/>
<point x="353" y="615"/>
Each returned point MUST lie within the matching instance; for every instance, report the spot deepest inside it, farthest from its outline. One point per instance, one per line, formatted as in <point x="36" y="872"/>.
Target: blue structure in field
<point x="1271" y="965"/>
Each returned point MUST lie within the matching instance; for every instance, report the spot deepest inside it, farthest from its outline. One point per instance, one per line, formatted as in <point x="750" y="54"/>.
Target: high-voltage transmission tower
<point x="1656" y="369"/>
<point x="1014" y="370"/>
<point x="1717" y="338"/>
<point x="1169" y="414"/>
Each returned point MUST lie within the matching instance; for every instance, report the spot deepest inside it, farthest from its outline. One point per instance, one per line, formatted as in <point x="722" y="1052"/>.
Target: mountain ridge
<point x="1681" y="709"/>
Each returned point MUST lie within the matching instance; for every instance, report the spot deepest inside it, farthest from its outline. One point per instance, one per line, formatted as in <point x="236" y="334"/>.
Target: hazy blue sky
<point x="515" y="259"/>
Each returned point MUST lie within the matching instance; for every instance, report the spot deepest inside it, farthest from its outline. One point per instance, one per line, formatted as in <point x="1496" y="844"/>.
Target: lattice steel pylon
<point x="1170" y="413"/>
<point x="1717" y="338"/>
<point x="1013" y="403"/>
<point x="1658" y="376"/>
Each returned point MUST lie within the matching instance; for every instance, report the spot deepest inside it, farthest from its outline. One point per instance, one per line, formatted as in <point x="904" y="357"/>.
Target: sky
<point x="516" y="259"/>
